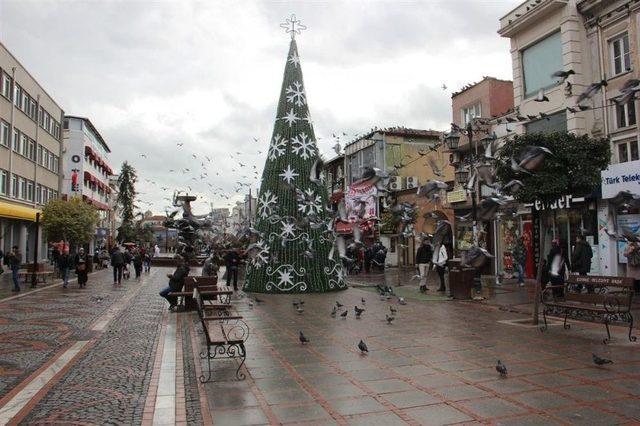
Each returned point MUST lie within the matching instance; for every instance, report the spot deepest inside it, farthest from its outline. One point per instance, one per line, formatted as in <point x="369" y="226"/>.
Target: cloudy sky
<point x="151" y="74"/>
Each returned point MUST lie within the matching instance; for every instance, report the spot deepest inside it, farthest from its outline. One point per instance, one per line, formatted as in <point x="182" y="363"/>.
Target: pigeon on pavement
<point x="303" y="338"/>
<point x="363" y="347"/>
<point x="501" y="368"/>
<point x="600" y="361"/>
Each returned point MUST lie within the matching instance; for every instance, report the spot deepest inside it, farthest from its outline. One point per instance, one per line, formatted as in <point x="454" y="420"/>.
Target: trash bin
<point x="460" y="280"/>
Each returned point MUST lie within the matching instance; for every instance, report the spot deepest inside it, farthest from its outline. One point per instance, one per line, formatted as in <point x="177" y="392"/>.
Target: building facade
<point x="87" y="170"/>
<point x="597" y="40"/>
<point x="165" y="238"/>
<point x="412" y="157"/>
<point x="30" y="155"/>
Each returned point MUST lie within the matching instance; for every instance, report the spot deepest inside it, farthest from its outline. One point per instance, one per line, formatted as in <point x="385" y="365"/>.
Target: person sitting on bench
<point x="176" y="282"/>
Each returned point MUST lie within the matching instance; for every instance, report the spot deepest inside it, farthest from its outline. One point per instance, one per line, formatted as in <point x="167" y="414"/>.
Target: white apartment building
<point x="87" y="170"/>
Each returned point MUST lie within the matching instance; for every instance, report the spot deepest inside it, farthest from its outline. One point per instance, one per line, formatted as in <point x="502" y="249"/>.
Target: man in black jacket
<point x="117" y="262"/>
<point x="232" y="262"/>
<point x="176" y="282"/>
<point x="423" y="257"/>
<point x="581" y="259"/>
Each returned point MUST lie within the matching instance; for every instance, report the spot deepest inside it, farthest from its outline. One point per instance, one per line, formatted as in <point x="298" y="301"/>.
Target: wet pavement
<point x="117" y="356"/>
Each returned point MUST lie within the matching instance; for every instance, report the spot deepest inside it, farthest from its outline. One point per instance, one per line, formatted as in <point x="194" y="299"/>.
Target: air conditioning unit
<point x="412" y="182"/>
<point x="454" y="158"/>
<point x="396" y="183"/>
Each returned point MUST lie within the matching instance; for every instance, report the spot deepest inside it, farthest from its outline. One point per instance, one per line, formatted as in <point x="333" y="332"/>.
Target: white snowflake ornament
<point x="277" y="147"/>
<point x="303" y="146"/>
<point x="288" y="174"/>
<point x="290" y="118"/>
<point x="266" y="204"/>
<point x="295" y="94"/>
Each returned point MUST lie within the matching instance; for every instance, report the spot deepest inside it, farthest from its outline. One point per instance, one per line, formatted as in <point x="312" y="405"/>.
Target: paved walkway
<point x="117" y="356"/>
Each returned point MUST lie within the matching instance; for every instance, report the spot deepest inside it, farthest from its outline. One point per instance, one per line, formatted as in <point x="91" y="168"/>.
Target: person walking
<point x="210" y="267"/>
<point x="176" y="282"/>
<point x="13" y="260"/>
<point x="439" y="259"/>
<point x="1" y="257"/>
<point x="64" y="264"/>
<point x="146" y="261"/>
<point x="632" y="253"/>
<point x="423" y="257"/>
<point x="519" y="259"/>
<point x="117" y="262"/>
<point x="137" y="263"/>
<point x="232" y="262"/>
<point x="81" y="268"/>
<point x="55" y="258"/>
<point x="581" y="259"/>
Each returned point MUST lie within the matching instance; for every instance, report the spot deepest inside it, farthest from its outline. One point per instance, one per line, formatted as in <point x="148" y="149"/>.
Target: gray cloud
<point x="152" y="73"/>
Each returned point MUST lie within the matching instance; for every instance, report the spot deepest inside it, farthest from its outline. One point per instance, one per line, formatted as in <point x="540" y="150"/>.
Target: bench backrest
<point x="603" y="288"/>
<point x="213" y="280"/>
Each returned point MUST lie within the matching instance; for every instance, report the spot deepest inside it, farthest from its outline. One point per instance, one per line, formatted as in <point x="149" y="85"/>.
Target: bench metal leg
<point x="208" y="356"/>
<point x="565" y="325"/>
<point x="243" y="356"/>
<point x="544" y="317"/>
<point x="632" y="338"/>
<point x="608" y="338"/>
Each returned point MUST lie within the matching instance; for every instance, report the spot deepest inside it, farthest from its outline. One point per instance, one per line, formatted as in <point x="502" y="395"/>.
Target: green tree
<point x="125" y="202"/>
<point x="73" y="221"/>
<point x="573" y="168"/>
<point x="292" y="256"/>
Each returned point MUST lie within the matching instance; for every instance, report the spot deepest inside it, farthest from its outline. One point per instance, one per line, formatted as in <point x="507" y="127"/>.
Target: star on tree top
<point x="293" y="26"/>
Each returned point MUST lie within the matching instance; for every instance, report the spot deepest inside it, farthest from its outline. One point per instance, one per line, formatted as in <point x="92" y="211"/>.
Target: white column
<point x="22" y="241"/>
<point x="608" y="253"/>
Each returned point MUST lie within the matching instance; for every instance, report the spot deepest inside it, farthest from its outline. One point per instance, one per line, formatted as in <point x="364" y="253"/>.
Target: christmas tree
<point x="294" y="252"/>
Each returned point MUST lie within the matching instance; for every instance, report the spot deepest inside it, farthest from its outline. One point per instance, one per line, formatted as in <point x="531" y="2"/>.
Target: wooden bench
<point x="40" y="276"/>
<point x="224" y="335"/>
<point x="599" y="299"/>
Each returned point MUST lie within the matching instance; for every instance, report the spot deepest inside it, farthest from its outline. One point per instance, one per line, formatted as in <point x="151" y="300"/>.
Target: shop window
<point x="620" y="57"/>
<point x="626" y="114"/>
<point x="627" y="151"/>
<point x="539" y="62"/>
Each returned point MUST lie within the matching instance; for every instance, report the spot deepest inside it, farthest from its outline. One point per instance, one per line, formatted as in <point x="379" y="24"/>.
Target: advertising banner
<point x="358" y="195"/>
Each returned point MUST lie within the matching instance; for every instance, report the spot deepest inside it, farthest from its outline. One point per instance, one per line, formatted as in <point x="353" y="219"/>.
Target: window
<point x="32" y="150"/>
<point x="22" y="188"/>
<point x="552" y="123"/>
<point x="38" y="193"/>
<point x="30" y="190"/>
<point x="626" y="114"/>
<point x="17" y="96"/>
<point x="469" y="113"/>
<point x="16" y="140"/>
<point x="6" y="85"/>
<point x="539" y="62"/>
<point x="620" y="57"/>
<point x="627" y="151"/>
<point x="4" y="182"/>
<point x="4" y="133"/>
<point x="56" y="164"/>
<point x="24" y="145"/>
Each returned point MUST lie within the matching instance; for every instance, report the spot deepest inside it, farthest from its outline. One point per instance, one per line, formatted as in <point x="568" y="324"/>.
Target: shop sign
<point x="457" y="196"/>
<point x="356" y="195"/>
<point x="621" y="177"/>
<point x="563" y="202"/>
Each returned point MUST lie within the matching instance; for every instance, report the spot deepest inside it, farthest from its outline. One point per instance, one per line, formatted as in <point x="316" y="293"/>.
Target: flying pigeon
<point x="562" y="75"/>
<point x="476" y="257"/>
<point x="541" y="97"/>
<point x="530" y="159"/>
<point x="591" y="91"/>
<point x="489" y="207"/>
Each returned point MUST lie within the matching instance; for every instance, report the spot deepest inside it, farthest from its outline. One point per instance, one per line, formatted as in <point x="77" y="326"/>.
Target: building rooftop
<point x="472" y="85"/>
<point x="399" y="131"/>
<point x="93" y="129"/>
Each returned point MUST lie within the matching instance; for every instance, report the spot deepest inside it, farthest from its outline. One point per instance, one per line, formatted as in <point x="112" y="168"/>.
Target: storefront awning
<point x="15" y="211"/>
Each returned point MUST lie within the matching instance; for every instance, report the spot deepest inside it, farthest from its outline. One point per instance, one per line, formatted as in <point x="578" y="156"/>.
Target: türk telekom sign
<point x="621" y="177"/>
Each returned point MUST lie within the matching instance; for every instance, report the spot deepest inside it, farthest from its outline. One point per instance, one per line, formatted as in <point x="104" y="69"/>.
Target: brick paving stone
<point x="300" y="413"/>
<point x="542" y="400"/>
<point x="377" y="419"/>
<point x="458" y="393"/>
<point x="358" y="405"/>
<point x="587" y="416"/>
<point x="244" y="417"/>
<point x="527" y="420"/>
<point x="438" y="414"/>
<point x="491" y="407"/>
<point x="411" y="398"/>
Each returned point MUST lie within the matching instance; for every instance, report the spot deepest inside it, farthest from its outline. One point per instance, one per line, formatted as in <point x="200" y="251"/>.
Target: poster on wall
<point x="360" y="195"/>
<point x="530" y="264"/>
<point x="631" y="222"/>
